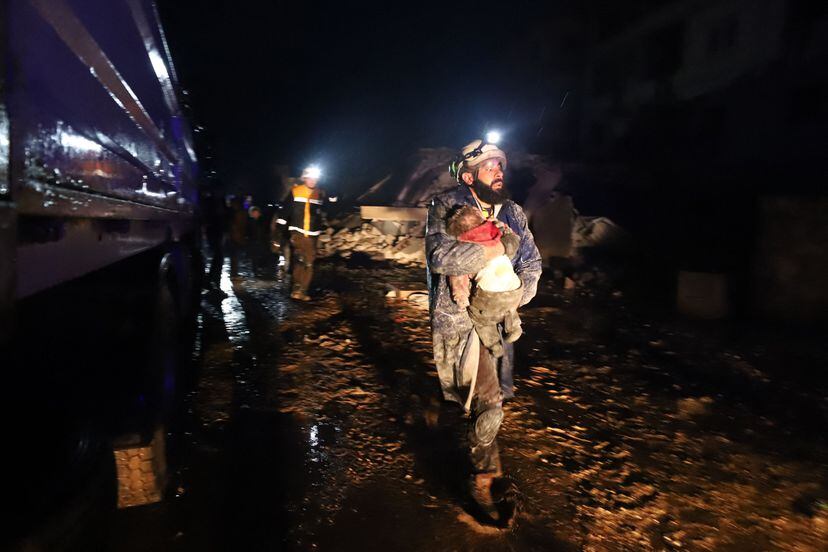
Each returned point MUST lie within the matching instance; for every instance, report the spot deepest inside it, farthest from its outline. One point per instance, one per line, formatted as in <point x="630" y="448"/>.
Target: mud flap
<point x="142" y="471"/>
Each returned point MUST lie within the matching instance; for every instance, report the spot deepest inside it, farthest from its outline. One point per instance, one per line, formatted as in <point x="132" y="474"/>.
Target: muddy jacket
<point x="302" y="210"/>
<point x="446" y="256"/>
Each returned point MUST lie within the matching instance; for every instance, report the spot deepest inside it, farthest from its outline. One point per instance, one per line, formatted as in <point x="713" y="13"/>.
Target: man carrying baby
<point x="469" y="372"/>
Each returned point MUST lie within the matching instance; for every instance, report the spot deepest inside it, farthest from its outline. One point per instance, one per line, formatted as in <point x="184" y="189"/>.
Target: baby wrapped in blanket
<point x="497" y="290"/>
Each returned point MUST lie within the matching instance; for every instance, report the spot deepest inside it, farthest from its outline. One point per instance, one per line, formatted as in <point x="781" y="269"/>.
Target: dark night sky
<point x="354" y="87"/>
<point x="357" y="86"/>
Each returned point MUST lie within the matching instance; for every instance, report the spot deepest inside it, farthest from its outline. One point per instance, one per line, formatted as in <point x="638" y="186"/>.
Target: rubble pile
<point x="403" y="244"/>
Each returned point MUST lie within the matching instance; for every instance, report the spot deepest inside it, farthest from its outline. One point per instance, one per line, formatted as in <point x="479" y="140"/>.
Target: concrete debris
<point x="350" y="221"/>
<point x="596" y="232"/>
<point x="390" y="227"/>
<point x="399" y="242"/>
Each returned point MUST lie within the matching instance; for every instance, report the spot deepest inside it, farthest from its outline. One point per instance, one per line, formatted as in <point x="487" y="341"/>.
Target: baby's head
<point x="462" y="219"/>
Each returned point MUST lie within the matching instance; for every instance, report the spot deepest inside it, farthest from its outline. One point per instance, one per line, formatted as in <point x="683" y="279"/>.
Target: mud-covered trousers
<point x="486" y="416"/>
<point x="302" y="258"/>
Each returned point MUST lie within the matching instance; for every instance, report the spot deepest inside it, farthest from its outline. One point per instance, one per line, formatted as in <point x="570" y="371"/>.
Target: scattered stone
<point x="693" y="407"/>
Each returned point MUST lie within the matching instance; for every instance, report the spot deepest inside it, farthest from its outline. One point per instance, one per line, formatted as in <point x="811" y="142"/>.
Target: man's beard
<point x="487" y="195"/>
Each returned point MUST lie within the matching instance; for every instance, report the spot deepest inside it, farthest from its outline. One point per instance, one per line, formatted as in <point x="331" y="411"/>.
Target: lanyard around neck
<point x="488" y="213"/>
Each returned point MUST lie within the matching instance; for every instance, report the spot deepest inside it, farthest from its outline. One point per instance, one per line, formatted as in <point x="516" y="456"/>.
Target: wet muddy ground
<point x="319" y="427"/>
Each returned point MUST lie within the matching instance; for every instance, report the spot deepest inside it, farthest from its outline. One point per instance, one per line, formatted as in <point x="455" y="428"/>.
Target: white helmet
<point x="473" y="155"/>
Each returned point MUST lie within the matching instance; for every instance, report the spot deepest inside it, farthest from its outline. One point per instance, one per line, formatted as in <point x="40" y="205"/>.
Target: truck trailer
<point x="98" y="254"/>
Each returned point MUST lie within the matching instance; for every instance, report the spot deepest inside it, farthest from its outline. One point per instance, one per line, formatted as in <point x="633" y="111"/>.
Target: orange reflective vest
<point x="304" y="210"/>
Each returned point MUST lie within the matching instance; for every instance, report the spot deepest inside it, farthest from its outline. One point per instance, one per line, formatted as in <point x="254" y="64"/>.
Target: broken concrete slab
<point x="596" y="232"/>
<point x="375" y="212"/>
<point x="390" y="227"/>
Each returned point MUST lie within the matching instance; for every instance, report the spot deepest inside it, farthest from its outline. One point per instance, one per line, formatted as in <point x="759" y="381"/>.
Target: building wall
<point x="726" y="104"/>
<point x="727" y="40"/>
<point x="677" y="66"/>
<point x="791" y="269"/>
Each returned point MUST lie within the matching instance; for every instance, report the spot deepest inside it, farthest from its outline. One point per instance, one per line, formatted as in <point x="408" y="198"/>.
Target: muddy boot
<point x="485" y="458"/>
<point x="480" y="489"/>
<point x="300" y="296"/>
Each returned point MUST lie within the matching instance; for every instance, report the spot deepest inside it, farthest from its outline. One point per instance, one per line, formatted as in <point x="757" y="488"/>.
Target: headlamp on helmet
<point x="493" y="137"/>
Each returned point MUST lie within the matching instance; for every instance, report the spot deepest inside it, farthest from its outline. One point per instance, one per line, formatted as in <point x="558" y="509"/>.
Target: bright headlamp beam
<point x="493" y="137"/>
<point x="313" y="172"/>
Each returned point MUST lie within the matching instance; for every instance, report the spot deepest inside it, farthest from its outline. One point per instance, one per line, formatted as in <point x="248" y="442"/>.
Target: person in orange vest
<point x="302" y="214"/>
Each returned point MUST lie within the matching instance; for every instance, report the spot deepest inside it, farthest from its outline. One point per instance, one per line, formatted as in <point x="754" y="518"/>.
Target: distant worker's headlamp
<point x="312" y="171"/>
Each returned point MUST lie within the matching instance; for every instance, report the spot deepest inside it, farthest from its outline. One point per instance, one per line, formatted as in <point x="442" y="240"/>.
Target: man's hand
<point x="511" y="243"/>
